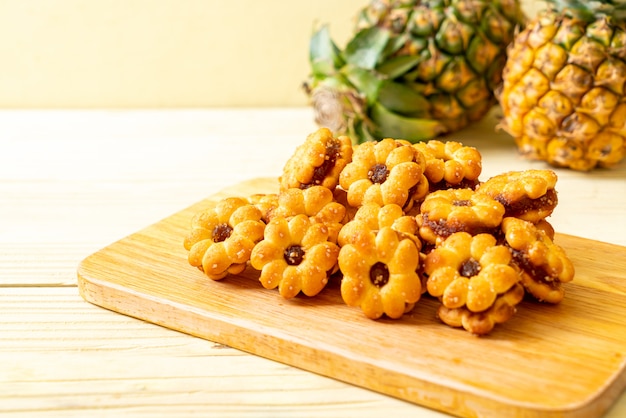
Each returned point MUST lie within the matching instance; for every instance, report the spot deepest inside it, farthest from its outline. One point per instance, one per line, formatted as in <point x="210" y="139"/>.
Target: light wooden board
<point x="567" y="360"/>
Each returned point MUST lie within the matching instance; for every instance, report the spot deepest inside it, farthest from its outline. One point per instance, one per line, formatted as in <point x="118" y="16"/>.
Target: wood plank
<point x="107" y="384"/>
<point x="566" y="360"/>
<point x="57" y="319"/>
<point x="55" y="345"/>
<point x="63" y="356"/>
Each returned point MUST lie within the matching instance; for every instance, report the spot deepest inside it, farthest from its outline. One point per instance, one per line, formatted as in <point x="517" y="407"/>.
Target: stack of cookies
<point x="394" y="221"/>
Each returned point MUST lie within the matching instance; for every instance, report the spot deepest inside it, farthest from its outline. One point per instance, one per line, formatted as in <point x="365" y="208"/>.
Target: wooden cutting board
<point x="566" y="360"/>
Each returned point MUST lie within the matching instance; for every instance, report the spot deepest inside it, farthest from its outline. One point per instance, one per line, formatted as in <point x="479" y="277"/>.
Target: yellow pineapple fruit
<point x="564" y="85"/>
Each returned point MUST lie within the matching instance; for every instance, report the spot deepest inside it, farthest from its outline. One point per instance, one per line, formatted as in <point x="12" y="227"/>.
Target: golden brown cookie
<point x="380" y="272"/>
<point x="469" y="271"/>
<point x="543" y="265"/>
<point x="316" y="202"/>
<point x="450" y="164"/>
<point x="317" y="162"/>
<point x="376" y="217"/>
<point x="481" y="323"/>
<point x="295" y="256"/>
<point x="445" y="212"/>
<point x="384" y="172"/>
<point x="266" y="202"/>
<point x="529" y="195"/>
<point x="222" y="238"/>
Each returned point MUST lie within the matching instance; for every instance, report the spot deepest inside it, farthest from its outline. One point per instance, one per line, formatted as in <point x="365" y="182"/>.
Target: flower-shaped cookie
<point x="544" y="265"/>
<point x="376" y="217"/>
<point x="317" y="162"/>
<point x="471" y="271"/>
<point x="384" y="172"/>
<point x="380" y="272"/>
<point x="445" y="212"/>
<point x="317" y="202"/>
<point x="266" y="202"/>
<point x="222" y="238"/>
<point x="295" y="256"/>
<point x="481" y="323"/>
<point x="529" y="195"/>
<point x="450" y="164"/>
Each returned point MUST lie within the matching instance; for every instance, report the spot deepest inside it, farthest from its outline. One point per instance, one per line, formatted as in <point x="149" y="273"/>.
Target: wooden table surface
<point x="72" y="182"/>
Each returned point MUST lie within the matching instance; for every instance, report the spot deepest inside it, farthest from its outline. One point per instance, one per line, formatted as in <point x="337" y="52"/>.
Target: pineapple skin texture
<point x="563" y="93"/>
<point x="463" y="43"/>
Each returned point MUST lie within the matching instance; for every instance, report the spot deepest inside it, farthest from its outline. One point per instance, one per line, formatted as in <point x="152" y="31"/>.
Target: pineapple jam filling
<point x="294" y="255"/>
<point x="469" y="268"/>
<point x="444" y="229"/>
<point x="379" y="274"/>
<point x="221" y="232"/>
<point x="546" y="202"/>
<point x="462" y="203"/>
<point x="409" y="201"/>
<point x="332" y="154"/>
<point x="537" y="273"/>
<point x="378" y="174"/>
<point x="464" y="184"/>
<point x="441" y="227"/>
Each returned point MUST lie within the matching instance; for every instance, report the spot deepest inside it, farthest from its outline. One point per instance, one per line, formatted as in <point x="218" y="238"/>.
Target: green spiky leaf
<point x="393" y="125"/>
<point x="400" y="98"/>
<point x="324" y="55"/>
<point x="399" y="66"/>
<point x="363" y="80"/>
<point x="365" y="49"/>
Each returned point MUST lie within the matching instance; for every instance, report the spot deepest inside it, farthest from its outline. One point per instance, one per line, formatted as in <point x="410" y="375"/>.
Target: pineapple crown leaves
<point x="324" y="55"/>
<point x="366" y="48"/>
<point x="360" y="79"/>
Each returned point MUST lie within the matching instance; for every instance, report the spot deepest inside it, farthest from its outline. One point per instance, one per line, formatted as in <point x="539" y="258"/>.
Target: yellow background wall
<point x="163" y="53"/>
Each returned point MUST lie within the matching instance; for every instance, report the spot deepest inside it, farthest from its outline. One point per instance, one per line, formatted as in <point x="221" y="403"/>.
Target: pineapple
<point x="563" y="92"/>
<point x="413" y="69"/>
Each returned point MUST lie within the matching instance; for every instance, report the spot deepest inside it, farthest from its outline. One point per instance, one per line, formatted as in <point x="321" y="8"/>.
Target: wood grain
<point x="64" y="357"/>
<point x="566" y="360"/>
